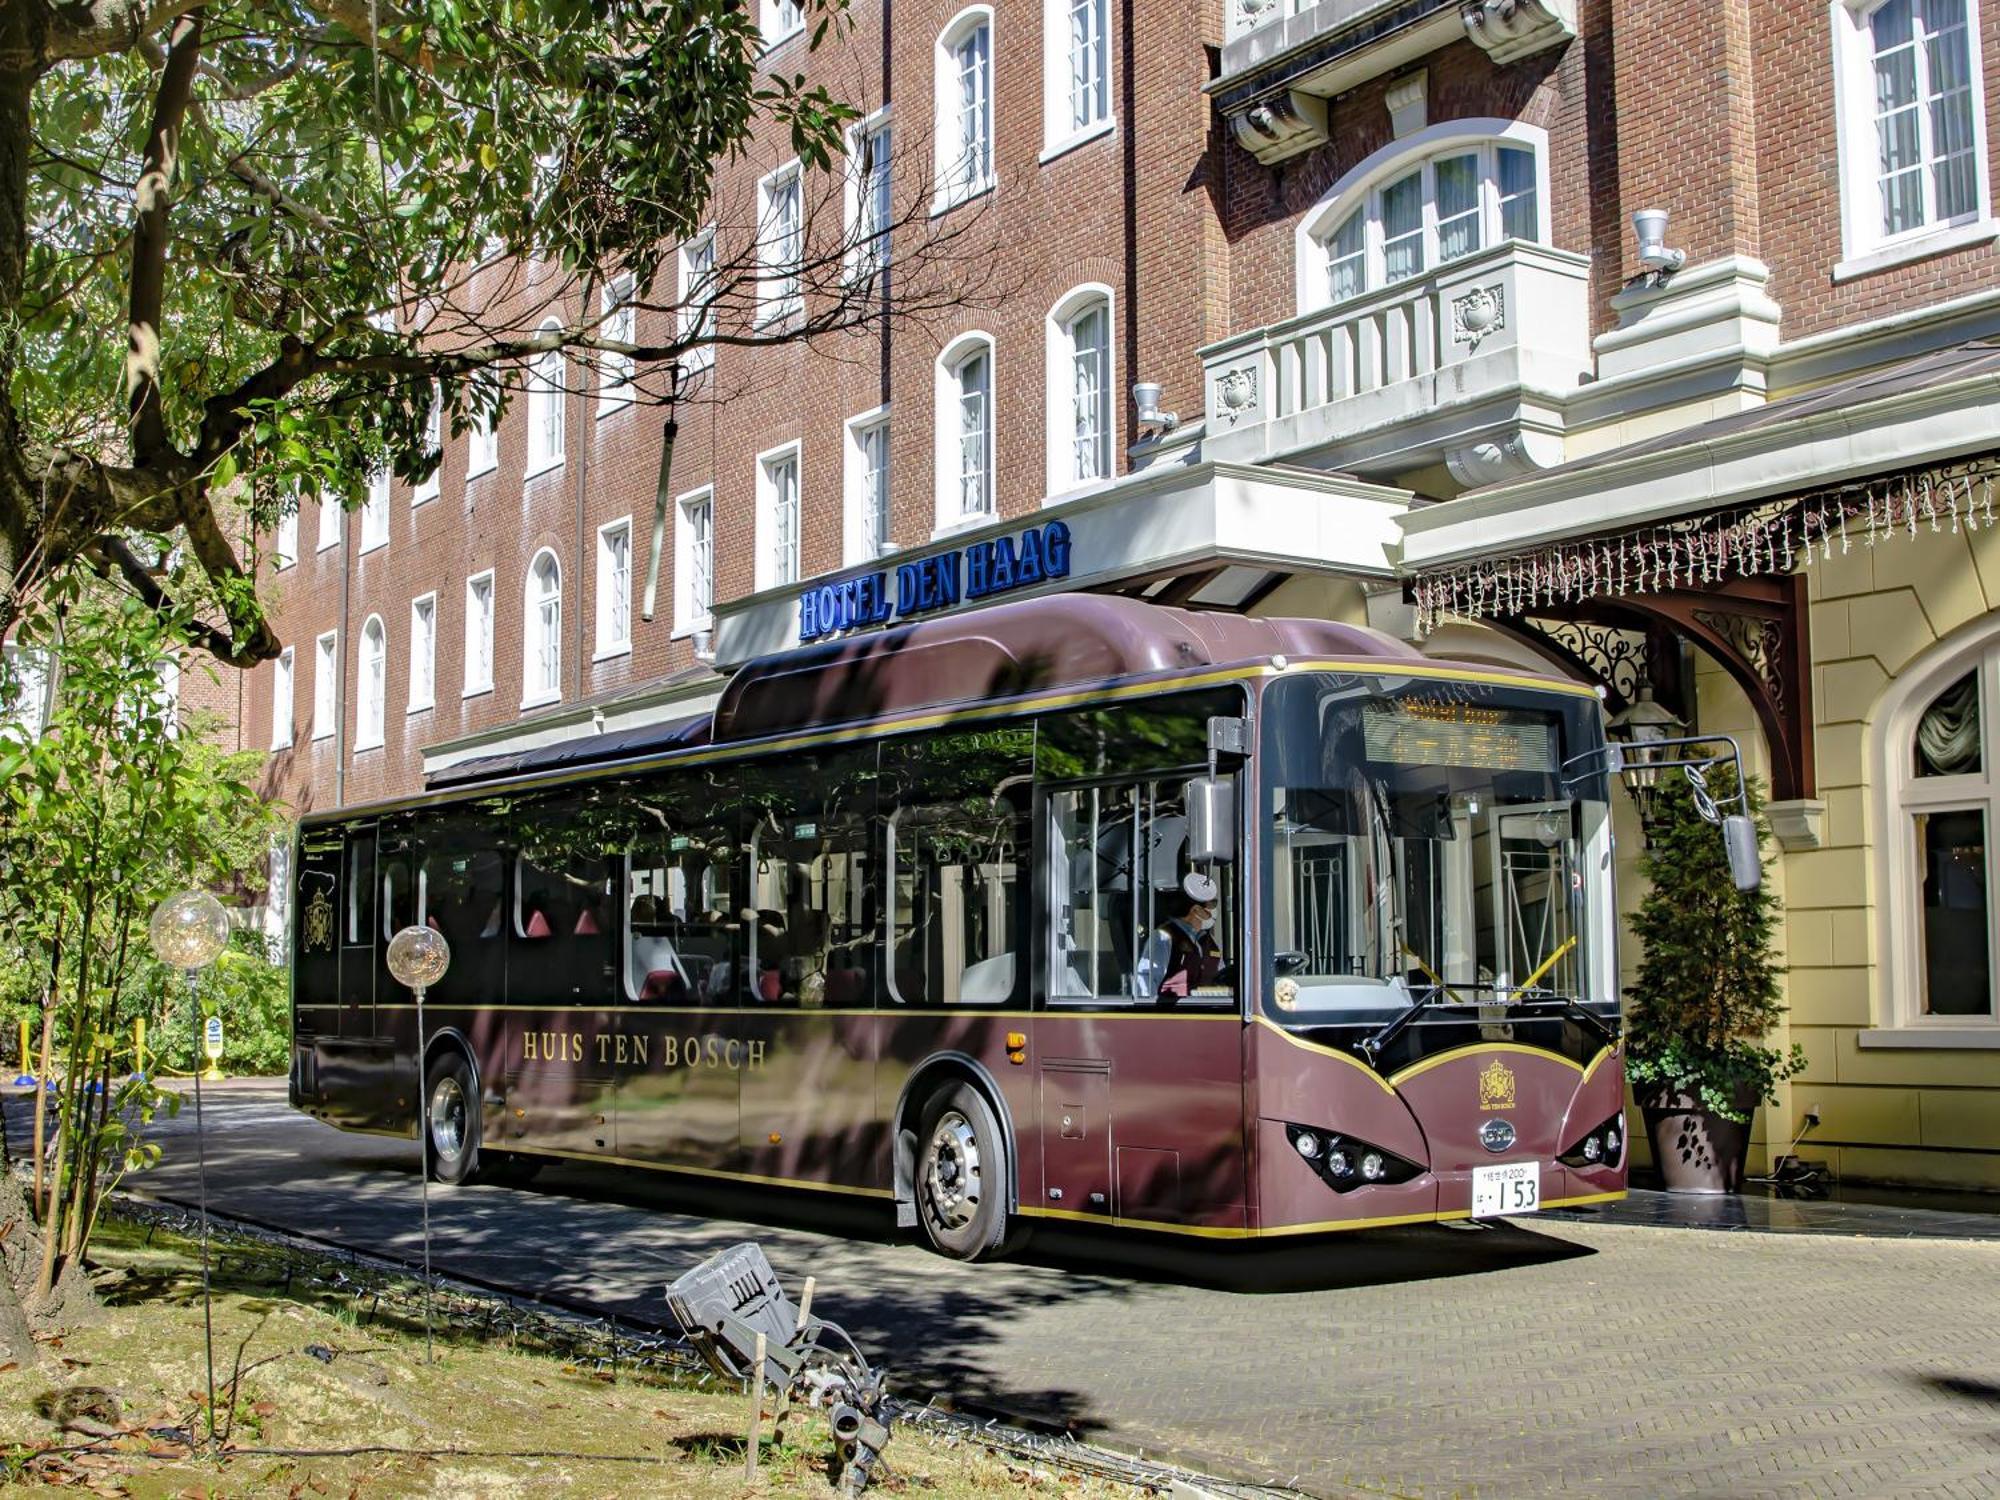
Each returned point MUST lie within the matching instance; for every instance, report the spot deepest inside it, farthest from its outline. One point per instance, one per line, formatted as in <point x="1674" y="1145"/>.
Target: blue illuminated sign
<point x="979" y="571"/>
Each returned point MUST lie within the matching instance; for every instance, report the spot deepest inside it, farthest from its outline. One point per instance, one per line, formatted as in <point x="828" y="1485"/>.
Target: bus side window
<point x="811" y="923"/>
<point x="564" y="922"/>
<point x="357" y="920"/>
<point x="682" y="932"/>
<point x="955" y="830"/>
<point x="463" y="884"/>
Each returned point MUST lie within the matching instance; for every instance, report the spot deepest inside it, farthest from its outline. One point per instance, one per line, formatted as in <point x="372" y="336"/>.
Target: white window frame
<point x="429" y="489"/>
<point x="283" y="704"/>
<point x="541" y="634"/>
<point x="614" y="591"/>
<point x="330" y="513"/>
<point x="1362" y="185"/>
<point x="375" y="513"/>
<point x="780" y="20"/>
<point x="1901" y="793"/>
<point x="371" y="699"/>
<point x="285" y="543"/>
<point x="858" y="545"/>
<point x="947" y="425"/>
<point x="1864" y="247"/>
<point x="548" y="425"/>
<point x="779" y="540"/>
<point x="621" y="322"/>
<point x="687" y="618"/>
<point x="423" y="652"/>
<point x="869" y="195"/>
<point x="780" y="249"/>
<point x="956" y="182"/>
<point x="479" y="633"/>
<point x="695" y="299"/>
<point x="482" y="444"/>
<point x="326" y="684"/>
<point x="1060" y="394"/>
<point x="1064" y="75"/>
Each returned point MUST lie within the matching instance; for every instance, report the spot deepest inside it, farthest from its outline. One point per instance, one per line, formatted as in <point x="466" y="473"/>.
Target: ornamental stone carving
<point x="1508" y="30"/>
<point x="1281" y="126"/>
<point x="1255" y="12"/>
<point x="1492" y="460"/>
<point x="1236" y="393"/>
<point x="1478" y="312"/>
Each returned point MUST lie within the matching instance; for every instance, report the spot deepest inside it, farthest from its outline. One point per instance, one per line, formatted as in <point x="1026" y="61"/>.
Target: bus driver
<point x="1182" y="950"/>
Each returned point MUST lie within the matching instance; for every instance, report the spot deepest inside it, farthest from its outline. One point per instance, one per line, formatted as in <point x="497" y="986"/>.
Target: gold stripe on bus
<point x="1595" y="1063"/>
<point x="1279" y="1231"/>
<point x="1478" y="1047"/>
<point x="714" y="1172"/>
<point x="432" y="1007"/>
<point x="974" y="713"/>
<point x="1325" y="1051"/>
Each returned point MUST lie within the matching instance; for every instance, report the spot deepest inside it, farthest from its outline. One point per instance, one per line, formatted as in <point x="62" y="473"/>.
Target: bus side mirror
<point x="1211" y="820"/>
<point x="1739" y="839"/>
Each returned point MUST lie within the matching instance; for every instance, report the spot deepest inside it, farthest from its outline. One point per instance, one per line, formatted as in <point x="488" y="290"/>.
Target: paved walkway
<point x="1548" y="1356"/>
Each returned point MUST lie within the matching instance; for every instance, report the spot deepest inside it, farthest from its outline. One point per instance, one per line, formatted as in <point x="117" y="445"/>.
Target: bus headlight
<point x="1601" y="1147"/>
<point x="1344" y="1163"/>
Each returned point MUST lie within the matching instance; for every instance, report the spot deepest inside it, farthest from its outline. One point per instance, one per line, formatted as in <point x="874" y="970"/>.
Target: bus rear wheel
<point x="962" y="1175"/>
<point x="451" y="1116"/>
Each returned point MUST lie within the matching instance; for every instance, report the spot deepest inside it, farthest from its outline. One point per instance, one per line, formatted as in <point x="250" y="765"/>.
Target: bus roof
<point x="1056" y="642"/>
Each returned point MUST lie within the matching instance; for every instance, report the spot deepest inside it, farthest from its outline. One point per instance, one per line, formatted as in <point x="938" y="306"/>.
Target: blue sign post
<point x="978" y="571"/>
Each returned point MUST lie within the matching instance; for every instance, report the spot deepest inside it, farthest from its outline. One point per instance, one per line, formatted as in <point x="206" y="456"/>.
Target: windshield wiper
<point x="1576" y="1009"/>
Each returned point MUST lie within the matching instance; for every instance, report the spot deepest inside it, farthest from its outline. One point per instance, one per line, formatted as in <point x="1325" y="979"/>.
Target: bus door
<point x="1138" y="1047"/>
<point x="1535" y="894"/>
<point x="359" y="961"/>
<point x="807" y="1032"/>
<point x="398" y="904"/>
<point x="315" y="902"/>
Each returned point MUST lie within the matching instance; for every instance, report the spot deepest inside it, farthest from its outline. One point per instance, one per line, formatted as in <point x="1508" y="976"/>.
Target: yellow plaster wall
<point x="1905" y="1115"/>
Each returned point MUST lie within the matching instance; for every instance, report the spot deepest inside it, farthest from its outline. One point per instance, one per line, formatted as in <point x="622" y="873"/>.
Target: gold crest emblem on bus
<point x="319" y="920"/>
<point x="1496" y="1086"/>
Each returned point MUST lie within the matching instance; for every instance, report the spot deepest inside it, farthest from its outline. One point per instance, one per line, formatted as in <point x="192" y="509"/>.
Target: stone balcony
<point x="1470" y="366"/>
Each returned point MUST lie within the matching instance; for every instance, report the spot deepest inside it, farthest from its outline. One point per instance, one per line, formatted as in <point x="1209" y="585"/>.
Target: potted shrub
<point x="1706" y="996"/>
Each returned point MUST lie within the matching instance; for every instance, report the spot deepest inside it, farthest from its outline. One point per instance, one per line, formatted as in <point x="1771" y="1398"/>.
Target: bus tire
<point x="451" y="1117"/>
<point x="961" y="1174"/>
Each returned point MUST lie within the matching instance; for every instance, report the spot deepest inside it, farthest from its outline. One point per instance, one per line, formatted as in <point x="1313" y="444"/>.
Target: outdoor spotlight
<point x="1146" y="397"/>
<point x="189" y="930"/>
<point x="1650" y="224"/>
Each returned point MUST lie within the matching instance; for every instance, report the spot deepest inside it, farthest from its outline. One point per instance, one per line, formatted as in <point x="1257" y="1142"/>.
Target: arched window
<point x="374" y="684"/>
<point x="1428" y="200"/>
<point x="964" y="133"/>
<point x="545" y="408"/>
<point x="1941" y="732"/>
<point x="1081" y="426"/>
<point x="965" y="430"/>
<point x="542" y="644"/>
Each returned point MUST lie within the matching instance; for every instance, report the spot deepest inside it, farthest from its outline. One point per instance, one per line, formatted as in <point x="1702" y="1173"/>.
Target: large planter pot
<point x="1697" y="1150"/>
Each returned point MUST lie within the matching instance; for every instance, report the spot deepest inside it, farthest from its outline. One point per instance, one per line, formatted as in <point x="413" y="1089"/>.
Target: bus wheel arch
<point x="955" y="1098"/>
<point x="451" y="1076"/>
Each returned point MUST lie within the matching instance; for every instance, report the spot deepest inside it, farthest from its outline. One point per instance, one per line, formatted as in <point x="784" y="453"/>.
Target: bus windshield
<point x="1423" y="842"/>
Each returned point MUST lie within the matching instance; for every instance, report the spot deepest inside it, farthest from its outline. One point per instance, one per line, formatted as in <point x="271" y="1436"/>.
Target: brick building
<point x="1380" y="254"/>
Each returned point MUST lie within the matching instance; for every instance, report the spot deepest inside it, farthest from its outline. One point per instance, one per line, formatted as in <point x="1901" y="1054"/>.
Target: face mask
<point x="1207" y="921"/>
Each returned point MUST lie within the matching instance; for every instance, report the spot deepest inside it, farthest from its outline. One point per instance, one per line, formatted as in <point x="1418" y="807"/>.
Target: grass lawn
<point x="314" y="1372"/>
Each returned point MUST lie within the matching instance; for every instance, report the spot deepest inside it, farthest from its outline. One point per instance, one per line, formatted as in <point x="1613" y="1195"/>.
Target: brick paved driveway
<point x="1546" y="1358"/>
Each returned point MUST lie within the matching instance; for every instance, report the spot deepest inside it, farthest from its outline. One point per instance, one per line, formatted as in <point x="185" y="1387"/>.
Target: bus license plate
<point x="1514" y="1187"/>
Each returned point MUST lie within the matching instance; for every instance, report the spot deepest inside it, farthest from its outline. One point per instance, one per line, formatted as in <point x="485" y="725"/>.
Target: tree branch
<point x="150" y="239"/>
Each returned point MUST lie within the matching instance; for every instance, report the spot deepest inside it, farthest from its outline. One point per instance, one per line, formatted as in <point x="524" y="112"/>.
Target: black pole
<point x="201" y="1178"/>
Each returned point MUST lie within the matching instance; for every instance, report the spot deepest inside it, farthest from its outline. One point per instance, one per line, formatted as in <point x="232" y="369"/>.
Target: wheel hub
<point x="952" y="1171"/>
<point x="447" y="1119"/>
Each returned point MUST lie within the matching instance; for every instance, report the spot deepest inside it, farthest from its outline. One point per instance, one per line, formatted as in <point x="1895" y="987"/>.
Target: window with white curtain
<point x="965" y="107"/>
<point x="287" y="544"/>
<point x="778" y="517"/>
<point x="1946" y="805"/>
<point x="374" y="684"/>
<point x="423" y="652"/>
<point x="620" y="323"/>
<point x="326" y="684"/>
<point x="780" y="243"/>
<point x="694" y="561"/>
<point x="1912" y="129"/>
<point x="696" y="300"/>
<point x="482" y="442"/>
<point x="865" y="488"/>
<point x="870" y="208"/>
<point x="1076" y="72"/>
<point x="329" y="522"/>
<point x="479" y="634"/>
<point x="281" y="700"/>
<point x="375" y="512"/>
<point x="1087" y="347"/>
<point x="545" y="409"/>
<point x="781" y="20"/>
<point x="1429" y="213"/>
<point x="972" y="380"/>
<point x="614" y="588"/>
<point x="541" y="648"/>
<point x="428" y="489"/>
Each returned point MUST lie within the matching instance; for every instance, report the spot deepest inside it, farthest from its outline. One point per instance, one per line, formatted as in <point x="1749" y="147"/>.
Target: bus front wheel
<point x="451" y="1116"/>
<point x="962" y="1175"/>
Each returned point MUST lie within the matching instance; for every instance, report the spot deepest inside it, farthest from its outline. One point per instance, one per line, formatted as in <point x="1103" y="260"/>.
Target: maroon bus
<point x="1076" y="908"/>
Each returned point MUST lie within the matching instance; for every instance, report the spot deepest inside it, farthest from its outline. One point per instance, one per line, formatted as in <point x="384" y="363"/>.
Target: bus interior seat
<point x="987" y="982"/>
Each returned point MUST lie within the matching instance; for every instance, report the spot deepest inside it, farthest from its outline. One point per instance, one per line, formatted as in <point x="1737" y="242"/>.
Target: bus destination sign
<point x="979" y="571"/>
<point x="1438" y="732"/>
